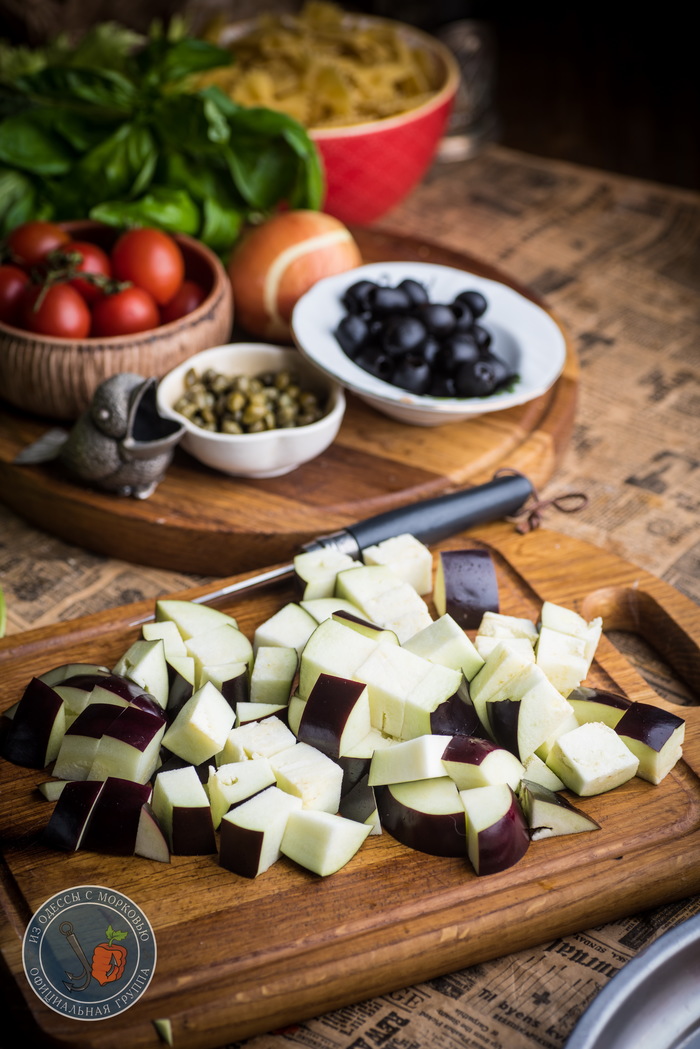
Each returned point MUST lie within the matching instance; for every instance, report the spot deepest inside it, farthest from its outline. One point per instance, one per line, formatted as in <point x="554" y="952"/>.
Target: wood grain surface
<point x="200" y="521"/>
<point x="236" y="957"/>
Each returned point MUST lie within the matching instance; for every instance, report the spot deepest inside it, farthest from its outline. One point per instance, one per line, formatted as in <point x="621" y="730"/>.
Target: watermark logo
<point x="89" y="952"/>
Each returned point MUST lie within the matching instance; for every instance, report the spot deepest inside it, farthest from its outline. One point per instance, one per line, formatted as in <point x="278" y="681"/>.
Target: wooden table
<point x="618" y="262"/>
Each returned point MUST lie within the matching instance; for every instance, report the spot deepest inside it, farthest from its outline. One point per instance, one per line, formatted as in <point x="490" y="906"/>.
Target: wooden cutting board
<point x="237" y="957"/>
<point x="201" y="521"/>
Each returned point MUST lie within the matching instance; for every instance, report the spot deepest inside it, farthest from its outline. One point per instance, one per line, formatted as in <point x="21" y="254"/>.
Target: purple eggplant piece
<point x="504" y="843"/>
<point x="504" y="715"/>
<point x="438" y="834"/>
<point x="27" y="735"/>
<point x="456" y="716"/>
<point x="470" y="586"/>
<point x="360" y="802"/>
<point x="114" y="820"/>
<point x="330" y="704"/>
<point x="651" y="725"/>
<point x="192" y="831"/>
<point x="71" y="815"/>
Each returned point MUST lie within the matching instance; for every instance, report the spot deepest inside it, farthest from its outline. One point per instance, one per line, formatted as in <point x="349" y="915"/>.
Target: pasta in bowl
<point x="374" y="94"/>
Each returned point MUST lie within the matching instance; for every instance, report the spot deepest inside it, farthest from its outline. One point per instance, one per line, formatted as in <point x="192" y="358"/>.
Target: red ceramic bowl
<point x="371" y="166"/>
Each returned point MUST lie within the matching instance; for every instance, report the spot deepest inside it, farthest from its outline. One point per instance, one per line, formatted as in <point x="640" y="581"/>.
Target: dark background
<point x="612" y="86"/>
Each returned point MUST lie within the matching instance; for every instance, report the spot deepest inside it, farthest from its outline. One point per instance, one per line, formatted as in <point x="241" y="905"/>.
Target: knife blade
<point x="429" y="520"/>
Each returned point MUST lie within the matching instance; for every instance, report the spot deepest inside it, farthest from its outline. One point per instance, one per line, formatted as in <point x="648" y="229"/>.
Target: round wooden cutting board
<point x="200" y="521"/>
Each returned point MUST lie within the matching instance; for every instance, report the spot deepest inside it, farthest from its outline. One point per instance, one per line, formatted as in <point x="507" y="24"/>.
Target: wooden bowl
<point x="56" y="378"/>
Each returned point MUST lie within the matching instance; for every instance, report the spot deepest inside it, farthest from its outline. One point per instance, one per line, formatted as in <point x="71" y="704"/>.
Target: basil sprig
<point x="113" y="130"/>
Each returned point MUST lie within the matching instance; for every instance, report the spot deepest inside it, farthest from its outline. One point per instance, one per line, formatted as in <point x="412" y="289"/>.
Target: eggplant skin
<point x="651" y="725"/>
<point x="504" y="715"/>
<point x="443" y="834"/>
<point x="504" y="843"/>
<point x="467" y="586"/>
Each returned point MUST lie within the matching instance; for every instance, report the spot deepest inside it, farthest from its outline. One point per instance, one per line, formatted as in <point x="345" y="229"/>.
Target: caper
<point x="253" y="413"/>
<point x="245" y="403"/>
<point x="235" y="401"/>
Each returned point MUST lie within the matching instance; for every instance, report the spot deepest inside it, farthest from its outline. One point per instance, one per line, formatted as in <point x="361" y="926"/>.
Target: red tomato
<point x="150" y="259"/>
<point x="32" y="241"/>
<point x="124" y="313"/>
<point x="188" y="297"/>
<point x="13" y="281"/>
<point x="95" y="261"/>
<point x="55" y="309"/>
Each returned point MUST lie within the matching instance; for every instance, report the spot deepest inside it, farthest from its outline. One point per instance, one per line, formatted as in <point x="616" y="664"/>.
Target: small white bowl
<point x="271" y="452"/>
<point x="524" y="335"/>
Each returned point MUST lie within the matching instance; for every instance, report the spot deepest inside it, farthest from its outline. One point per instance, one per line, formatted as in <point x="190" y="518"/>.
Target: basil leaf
<point x="107" y="45"/>
<point x="110" y="128"/>
<point x="27" y="144"/>
<point x="81" y="131"/>
<point x="201" y="181"/>
<point x="19" y="201"/>
<point x="164" y="61"/>
<point x="305" y="184"/>
<point x="261" y="175"/>
<point x="122" y="165"/>
<point x="221" y="225"/>
<point x="170" y="209"/>
<point x="12" y="103"/>
<point x="189" y="121"/>
<point x="262" y="139"/>
<point x="63" y="85"/>
<point x="223" y="209"/>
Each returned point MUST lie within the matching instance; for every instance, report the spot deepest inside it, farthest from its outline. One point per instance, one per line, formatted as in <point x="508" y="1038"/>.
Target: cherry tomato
<point x="150" y="259"/>
<point x="125" y="312"/>
<point x="13" y="281"/>
<point x="188" y="297"/>
<point x="95" y="261"/>
<point x="55" y="309"/>
<point x="32" y="241"/>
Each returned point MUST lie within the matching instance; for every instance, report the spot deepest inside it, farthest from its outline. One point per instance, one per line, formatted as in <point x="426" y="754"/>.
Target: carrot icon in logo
<point x="75" y="957"/>
<point x="109" y="959"/>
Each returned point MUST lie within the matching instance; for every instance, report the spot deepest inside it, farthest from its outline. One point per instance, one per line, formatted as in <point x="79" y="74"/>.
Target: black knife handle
<point x="436" y="519"/>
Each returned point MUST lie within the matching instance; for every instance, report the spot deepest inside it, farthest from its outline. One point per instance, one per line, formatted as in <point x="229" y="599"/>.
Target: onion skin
<point x="277" y="262"/>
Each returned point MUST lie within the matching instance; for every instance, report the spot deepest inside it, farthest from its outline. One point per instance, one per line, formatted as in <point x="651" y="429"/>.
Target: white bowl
<point x="271" y="452"/>
<point x="524" y="335"/>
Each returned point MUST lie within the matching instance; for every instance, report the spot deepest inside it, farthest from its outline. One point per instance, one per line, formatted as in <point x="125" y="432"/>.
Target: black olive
<point x="458" y="349"/>
<point x="356" y="298"/>
<point x="476" y="379"/>
<point x="384" y="300"/>
<point x="475" y="301"/>
<point x="442" y="386"/>
<point x="351" y="333"/>
<point x="464" y="318"/>
<point x="438" y="318"/>
<point x="372" y="359"/>
<point x="403" y="335"/>
<point x="502" y="371"/>
<point x="483" y="337"/>
<point x="376" y="328"/>
<point x="417" y="293"/>
<point x="397" y="334"/>
<point x="430" y="349"/>
<point x="412" y="373"/>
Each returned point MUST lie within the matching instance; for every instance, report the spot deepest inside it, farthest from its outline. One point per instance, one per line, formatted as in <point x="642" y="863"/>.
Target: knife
<point x="429" y="520"/>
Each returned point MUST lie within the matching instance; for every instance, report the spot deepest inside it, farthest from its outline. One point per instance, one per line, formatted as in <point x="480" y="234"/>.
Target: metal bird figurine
<point x="120" y="444"/>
